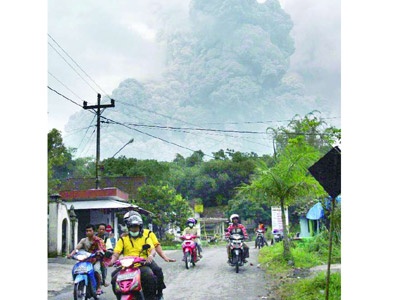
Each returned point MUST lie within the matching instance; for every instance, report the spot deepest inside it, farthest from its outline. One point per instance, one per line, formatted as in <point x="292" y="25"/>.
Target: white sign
<point x="276" y="217"/>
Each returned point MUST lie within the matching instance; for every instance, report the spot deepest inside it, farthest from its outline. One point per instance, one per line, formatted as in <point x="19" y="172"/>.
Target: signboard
<point x="108" y="228"/>
<point x="198" y="208"/>
<point x="327" y="171"/>
<point x="276" y="218"/>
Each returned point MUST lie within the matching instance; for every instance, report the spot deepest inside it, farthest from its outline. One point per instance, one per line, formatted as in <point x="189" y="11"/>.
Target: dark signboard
<point x="327" y="172"/>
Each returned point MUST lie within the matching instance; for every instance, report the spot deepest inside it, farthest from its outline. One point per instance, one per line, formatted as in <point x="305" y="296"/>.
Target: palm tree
<point x="286" y="182"/>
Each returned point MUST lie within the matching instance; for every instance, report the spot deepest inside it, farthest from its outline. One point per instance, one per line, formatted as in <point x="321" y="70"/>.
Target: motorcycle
<point x="189" y="250"/>
<point x="128" y="282"/>
<point x="259" y="239"/>
<point x="83" y="274"/>
<point x="278" y="235"/>
<point x="237" y="251"/>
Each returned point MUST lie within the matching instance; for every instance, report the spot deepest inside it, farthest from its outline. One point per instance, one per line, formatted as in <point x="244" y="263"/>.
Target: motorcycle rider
<point x="194" y="231"/>
<point x="132" y="245"/>
<point x="236" y="227"/>
<point x="154" y="267"/>
<point x="261" y="227"/>
<point x="92" y="244"/>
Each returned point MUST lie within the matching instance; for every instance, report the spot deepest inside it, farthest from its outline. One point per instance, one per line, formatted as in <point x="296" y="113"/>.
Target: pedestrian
<point x="112" y="238"/>
<point x="101" y="233"/>
<point x="92" y="244"/>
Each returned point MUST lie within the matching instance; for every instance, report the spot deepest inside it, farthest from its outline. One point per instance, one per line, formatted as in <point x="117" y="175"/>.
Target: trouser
<point x="103" y="270"/>
<point x="245" y="250"/>
<point x="148" y="280"/>
<point x="199" y="249"/>
<point x="160" y="276"/>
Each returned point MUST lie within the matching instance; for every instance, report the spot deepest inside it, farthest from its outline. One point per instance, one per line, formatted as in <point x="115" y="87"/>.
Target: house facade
<point x="71" y="210"/>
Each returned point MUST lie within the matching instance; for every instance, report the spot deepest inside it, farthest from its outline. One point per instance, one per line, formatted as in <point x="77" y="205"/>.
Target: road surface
<point x="211" y="278"/>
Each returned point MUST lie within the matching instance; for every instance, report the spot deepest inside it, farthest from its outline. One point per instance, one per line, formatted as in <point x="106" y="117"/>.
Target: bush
<point x="306" y="253"/>
<point x="312" y="288"/>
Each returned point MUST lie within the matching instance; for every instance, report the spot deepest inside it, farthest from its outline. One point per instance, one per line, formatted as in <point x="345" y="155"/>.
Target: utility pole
<point x="98" y="113"/>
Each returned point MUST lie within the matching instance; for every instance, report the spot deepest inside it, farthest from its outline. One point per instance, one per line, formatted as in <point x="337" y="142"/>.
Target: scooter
<point x="278" y="235"/>
<point x="237" y="251"/>
<point x="189" y="250"/>
<point x="128" y="284"/>
<point x="85" y="284"/>
<point x="259" y="239"/>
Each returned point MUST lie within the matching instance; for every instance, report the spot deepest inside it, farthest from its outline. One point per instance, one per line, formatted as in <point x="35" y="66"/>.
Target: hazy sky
<point x="127" y="47"/>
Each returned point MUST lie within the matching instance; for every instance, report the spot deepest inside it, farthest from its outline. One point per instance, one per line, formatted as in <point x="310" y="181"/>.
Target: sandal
<point x="99" y="292"/>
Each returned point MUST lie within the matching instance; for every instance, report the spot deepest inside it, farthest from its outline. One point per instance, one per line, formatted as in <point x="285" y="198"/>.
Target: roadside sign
<point x="198" y="208"/>
<point x="327" y="171"/>
<point x="108" y="228"/>
<point x="276" y="218"/>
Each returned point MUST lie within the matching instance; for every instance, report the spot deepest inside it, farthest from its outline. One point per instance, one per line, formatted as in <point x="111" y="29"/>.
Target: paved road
<point x="211" y="278"/>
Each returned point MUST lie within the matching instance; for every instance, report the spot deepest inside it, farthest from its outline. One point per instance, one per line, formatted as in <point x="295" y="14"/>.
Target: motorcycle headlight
<point x="127" y="262"/>
<point x="81" y="257"/>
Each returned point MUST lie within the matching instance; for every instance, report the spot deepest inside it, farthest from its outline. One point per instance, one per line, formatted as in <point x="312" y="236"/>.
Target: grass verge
<point x="295" y="281"/>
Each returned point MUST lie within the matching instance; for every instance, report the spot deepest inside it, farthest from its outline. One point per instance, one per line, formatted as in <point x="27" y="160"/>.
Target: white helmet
<point x="131" y="213"/>
<point x="133" y="219"/>
<point x="233" y="216"/>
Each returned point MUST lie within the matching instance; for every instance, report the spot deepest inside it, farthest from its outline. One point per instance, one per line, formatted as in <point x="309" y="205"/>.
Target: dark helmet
<point x="191" y="220"/>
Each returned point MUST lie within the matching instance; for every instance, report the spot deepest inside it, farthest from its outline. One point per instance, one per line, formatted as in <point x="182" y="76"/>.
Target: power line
<point x="64" y="85"/>
<point x="72" y="68"/>
<point x="64" y="96"/>
<point x="76" y="64"/>
<point x="153" y="136"/>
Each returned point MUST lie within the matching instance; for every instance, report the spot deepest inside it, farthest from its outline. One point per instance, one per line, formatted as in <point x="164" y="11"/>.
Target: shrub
<point x="312" y="288"/>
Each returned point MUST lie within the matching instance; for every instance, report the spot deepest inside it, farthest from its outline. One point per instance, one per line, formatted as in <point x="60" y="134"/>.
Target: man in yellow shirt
<point x="147" y="233"/>
<point x="132" y="245"/>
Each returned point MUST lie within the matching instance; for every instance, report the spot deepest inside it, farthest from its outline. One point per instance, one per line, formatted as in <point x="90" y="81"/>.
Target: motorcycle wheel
<point x="91" y="292"/>
<point x="237" y="266"/>
<point x="186" y="258"/>
<point x="79" y="291"/>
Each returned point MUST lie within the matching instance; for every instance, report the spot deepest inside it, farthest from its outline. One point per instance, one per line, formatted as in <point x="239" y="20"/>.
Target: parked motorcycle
<point x="259" y="239"/>
<point x="278" y="235"/>
<point x="128" y="283"/>
<point x="83" y="274"/>
<point x="236" y="250"/>
<point x="189" y="250"/>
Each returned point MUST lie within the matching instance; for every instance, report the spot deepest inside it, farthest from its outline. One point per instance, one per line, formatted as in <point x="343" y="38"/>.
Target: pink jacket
<point x="236" y="229"/>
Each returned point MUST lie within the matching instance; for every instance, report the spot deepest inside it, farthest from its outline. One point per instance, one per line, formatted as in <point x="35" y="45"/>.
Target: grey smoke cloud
<point x="153" y="42"/>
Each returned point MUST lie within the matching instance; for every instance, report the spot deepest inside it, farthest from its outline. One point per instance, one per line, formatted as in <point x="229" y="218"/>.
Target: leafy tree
<point x="286" y="181"/>
<point x="58" y="156"/>
<point x="168" y="206"/>
<point x="248" y="209"/>
<point x="314" y="129"/>
<point x="122" y="166"/>
<point x="195" y="159"/>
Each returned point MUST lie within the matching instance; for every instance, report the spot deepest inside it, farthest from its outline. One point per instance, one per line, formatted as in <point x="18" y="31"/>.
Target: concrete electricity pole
<point x="98" y="113"/>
